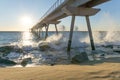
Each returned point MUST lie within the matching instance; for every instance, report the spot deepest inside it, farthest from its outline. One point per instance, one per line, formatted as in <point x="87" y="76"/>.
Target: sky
<point x="14" y="13"/>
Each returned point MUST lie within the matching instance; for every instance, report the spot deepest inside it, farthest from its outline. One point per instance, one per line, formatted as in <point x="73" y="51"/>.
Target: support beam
<point x="77" y="3"/>
<point x="90" y="33"/>
<point x="93" y="3"/>
<point x="80" y="11"/>
<point x="70" y="37"/>
<point x="56" y="29"/>
<point x="52" y="22"/>
<point x="47" y="27"/>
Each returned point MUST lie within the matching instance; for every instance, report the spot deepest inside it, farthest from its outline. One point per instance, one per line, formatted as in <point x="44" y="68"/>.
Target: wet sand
<point x="102" y="71"/>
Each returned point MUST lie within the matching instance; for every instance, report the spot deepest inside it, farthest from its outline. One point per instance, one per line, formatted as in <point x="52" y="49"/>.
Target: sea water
<point x="58" y="45"/>
<point x="6" y="38"/>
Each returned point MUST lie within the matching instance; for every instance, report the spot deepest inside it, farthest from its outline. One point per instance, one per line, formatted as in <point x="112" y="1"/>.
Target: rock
<point x="27" y="48"/>
<point x="6" y="50"/>
<point x="82" y="57"/>
<point x="23" y="63"/>
<point x="6" y="62"/>
<point x="26" y="61"/>
<point x="13" y="55"/>
<point x="17" y="49"/>
<point x="107" y="46"/>
<point x="102" y="55"/>
<point x="47" y="59"/>
<point x="44" y="46"/>
<point x="116" y="48"/>
<point x="1" y="54"/>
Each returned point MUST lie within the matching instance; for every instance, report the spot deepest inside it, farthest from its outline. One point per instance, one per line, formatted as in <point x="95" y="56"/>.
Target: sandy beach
<point x="102" y="71"/>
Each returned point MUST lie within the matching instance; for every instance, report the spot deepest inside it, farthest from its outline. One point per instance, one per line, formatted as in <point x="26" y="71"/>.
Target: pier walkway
<point x="64" y="8"/>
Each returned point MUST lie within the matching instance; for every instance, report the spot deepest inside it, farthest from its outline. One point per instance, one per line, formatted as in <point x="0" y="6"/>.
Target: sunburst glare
<point x="26" y="22"/>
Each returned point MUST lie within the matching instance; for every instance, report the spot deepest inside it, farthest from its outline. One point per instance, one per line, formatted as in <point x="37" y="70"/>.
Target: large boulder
<point x="13" y="55"/>
<point x="26" y="61"/>
<point x="108" y="46"/>
<point x="44" y="46"/>
<point x="82" y="57"/>
<point x="47" y="59"/>
<point x="6" y="62"/>
<point x="27" y="48"/>
<point x="6" y="50"/>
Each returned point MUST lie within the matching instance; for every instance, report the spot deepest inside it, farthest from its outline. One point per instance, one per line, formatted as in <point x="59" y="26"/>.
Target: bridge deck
<point x="55" y="12"/>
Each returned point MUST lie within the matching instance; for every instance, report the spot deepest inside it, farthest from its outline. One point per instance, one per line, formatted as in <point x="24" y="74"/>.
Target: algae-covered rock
<point x="6" y="62"/>
<point x="26" y="61"/>
<point x="44" y="46"/>
<point x="6" y="50"/>
<point x="107" y="46"/>
<point x="82" y="57"/>
<point x="13" y="55"/>
<point x="47" y="59"/>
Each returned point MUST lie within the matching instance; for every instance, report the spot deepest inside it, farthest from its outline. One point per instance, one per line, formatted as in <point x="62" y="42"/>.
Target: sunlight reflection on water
<point x="27" y="38"/>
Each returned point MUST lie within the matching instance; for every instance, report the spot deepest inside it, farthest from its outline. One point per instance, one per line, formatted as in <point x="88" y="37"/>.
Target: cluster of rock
<point x="4" y="51"/>
<point x="43" y="54"/>
<point x="27" y="55"/>
<point x="8" y="55"/>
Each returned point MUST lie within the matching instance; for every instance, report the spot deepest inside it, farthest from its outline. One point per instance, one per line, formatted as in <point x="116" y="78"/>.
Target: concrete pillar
<point x="39" y="32"/>
<point x="70" y="37"/>
<point x="90" y="33"/>
<point x="56" y="29"/>
<point x="47" y="27"/>
<point x="42" y="33"/>
<point x="36" y="31"/>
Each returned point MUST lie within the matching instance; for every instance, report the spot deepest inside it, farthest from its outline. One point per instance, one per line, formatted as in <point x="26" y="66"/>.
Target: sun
<point x="26" y="21"/>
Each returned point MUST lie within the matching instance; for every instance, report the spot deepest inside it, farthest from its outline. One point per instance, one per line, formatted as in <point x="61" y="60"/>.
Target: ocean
<point x="54" y="48"/>
<point x="8" y="38"/>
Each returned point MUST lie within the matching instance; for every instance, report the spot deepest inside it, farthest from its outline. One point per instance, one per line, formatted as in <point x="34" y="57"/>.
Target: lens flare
<point x="26" y="22"/>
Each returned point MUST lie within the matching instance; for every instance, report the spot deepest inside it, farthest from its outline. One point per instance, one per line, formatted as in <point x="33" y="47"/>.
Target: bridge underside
<point x="70" y="8"/>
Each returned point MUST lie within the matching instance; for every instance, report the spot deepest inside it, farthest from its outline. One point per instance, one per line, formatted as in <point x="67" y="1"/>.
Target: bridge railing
<point x="52" y="8"/>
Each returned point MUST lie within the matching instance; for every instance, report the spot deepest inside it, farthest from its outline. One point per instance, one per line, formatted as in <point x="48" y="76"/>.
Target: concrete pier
<point x="64" y="8"/>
